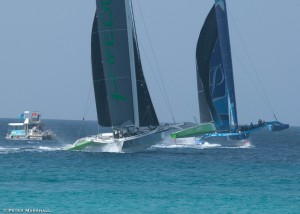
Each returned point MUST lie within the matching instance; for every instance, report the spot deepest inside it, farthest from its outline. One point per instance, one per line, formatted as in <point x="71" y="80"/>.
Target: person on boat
<point x="259" y="122"/>
<point x="116" y="134"/>
<point x="120" y="133"/>
<point x="251" y="125"/>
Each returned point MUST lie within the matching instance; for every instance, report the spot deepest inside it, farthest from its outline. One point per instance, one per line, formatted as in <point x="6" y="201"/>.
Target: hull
<point x="277" y="126"/>
<point x="193" y="131"/>
<point x="142" y="143"/>
<point x="107" y="142"/>
<point x="30" y="137"/>
<point x="244" y="134"/>
<point x="232" y="136"/>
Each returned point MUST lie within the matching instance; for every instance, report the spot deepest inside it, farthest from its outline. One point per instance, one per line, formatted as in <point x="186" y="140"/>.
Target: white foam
<point x="206" y="145"/>
<point x="6" y="150"/>
<point x="47" y="148"/>
<point x="169" y="143"/>
<point x="247" y="144"/>
<point x="112" y="147"/>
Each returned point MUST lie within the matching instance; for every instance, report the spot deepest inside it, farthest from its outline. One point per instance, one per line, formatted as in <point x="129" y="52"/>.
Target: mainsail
<point x="215" y="80"/>
<point x="121" y="93"/>
<point x="214" y="71"/>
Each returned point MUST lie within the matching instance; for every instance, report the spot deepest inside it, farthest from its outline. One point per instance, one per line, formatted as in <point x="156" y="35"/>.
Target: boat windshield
<point x="15" y="126"/>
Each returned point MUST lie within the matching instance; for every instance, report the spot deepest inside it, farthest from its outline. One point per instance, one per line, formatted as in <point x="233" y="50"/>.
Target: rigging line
<point x="155" y="77"/>
<point x="250" y="78"/>
<point x="252" y="64"/>
<point x="85" y="110"/>
<point x="156" y="62"/>
<point x="151" y="69"/>
<point x="88" y="101"/>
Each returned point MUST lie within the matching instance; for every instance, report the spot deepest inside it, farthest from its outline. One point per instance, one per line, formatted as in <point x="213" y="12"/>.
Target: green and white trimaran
<point x="122" y="98"/>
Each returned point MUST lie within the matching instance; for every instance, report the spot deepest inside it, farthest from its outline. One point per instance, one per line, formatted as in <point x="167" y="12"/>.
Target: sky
<point x="45" y="57"/>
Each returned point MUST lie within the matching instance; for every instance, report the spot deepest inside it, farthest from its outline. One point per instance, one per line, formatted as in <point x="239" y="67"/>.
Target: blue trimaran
<point x="217" y="103"/>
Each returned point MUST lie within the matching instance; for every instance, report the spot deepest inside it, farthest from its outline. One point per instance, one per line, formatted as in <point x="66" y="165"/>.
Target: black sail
<point x="214" y="70"/>
<point x="115" y="53"/>
<point x="122" y="95"/>
<point x="206" y="43"/>
<point x="98" y="78"/>
<point x="147" y="113"/>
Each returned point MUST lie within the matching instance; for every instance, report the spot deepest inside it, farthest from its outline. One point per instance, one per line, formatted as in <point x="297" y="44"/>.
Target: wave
<point x="193" y="144"/>
<point x="9" y="150"/>
<point x="185" y="143"/>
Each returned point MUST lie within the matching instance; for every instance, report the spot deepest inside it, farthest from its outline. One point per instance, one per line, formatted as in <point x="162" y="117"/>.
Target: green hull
<point x="201" y="129"/>
<point x="80" y="146"/>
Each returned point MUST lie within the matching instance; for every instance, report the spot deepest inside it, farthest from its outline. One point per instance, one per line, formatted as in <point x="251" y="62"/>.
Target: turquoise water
<point x="169" y="178"/>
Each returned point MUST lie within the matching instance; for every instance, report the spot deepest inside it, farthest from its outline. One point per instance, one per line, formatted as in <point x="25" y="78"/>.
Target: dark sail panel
<point x="206" y="43"/>
<point x="112" y="25"/>
<point x="223" y="30"/>
<point x="147" y="113"/>
<point x="98" y="78"/>
<point x="218" y="89"/>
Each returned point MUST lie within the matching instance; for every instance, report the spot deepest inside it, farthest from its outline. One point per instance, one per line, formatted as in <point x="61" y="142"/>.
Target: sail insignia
<point x="121" y="92"/>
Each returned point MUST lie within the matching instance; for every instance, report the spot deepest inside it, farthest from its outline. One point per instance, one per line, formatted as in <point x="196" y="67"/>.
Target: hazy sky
<point x="45" y="56"/>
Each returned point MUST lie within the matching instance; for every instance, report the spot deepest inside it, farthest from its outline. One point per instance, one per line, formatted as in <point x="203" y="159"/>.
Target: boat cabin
<point x="17" y="130"/>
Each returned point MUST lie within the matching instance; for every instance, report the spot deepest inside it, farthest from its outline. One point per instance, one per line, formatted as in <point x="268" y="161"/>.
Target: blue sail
<point x="215" y="80"/>
<point x="214" y="71"/>
<point x="218" y="89"/>
<point x="223" y="32"/>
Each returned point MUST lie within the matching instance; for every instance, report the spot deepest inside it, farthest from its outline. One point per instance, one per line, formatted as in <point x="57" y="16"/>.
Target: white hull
<point x="137" y="143"/>
<point x="44" y="136"/>
<point x="141" y="143"/>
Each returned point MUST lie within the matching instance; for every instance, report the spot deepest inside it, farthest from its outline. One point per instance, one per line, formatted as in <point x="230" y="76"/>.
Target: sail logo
<point x="217" y="82"/>
<point x="109" y="42"/>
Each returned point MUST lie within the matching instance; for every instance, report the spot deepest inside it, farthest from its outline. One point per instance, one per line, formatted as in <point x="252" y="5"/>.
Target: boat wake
<point x="185" y="143"/>
<point x="109" y="148"/>
<point x="191" y="143"/>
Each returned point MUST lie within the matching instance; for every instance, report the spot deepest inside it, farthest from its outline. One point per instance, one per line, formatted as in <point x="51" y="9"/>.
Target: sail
<point x="113" y="37"/>
<point x="147" y="115"/>
<point x="214" y="72"/>
<point x="98" y="78"/>
<point x="224" y="41"/>
<point x="122" y="98"/>
<point x="207" y="62"/>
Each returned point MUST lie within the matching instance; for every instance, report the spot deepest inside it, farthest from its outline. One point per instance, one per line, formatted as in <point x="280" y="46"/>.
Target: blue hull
<point x="277" y="126"/>
<point x="234" y="136"/>
<point x="245" y="134"/>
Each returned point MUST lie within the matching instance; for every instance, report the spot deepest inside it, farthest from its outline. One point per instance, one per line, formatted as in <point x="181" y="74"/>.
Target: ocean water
<point x="263" y="177"/>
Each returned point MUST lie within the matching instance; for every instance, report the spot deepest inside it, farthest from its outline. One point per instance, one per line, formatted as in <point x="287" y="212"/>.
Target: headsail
<point x="122" y="96"/>
<point x="147" y="115"/>
<point x="214" y="70"/>
<point x="98" y="78"/>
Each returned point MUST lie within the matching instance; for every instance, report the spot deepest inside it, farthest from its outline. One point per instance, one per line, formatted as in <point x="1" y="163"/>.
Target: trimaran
<point x="122" y="98"/>
<point x="216" y="93"/>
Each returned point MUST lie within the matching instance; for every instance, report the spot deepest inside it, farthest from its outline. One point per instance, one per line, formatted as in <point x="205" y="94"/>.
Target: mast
<point x="132" y="62"/>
